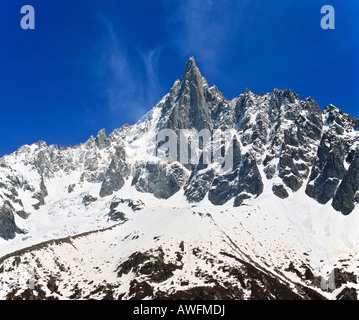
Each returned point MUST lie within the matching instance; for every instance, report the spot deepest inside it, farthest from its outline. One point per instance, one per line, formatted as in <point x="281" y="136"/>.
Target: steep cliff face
<point x="335" y="167"/>
<point x="285" y="152"/>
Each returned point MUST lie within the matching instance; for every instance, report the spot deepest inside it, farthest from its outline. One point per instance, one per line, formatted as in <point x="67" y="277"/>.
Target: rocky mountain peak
<point x="191" y="71"/>
<point x="191" y="107"/>
<point x="192" y="80"/>
<point x="339" y="120"/>
<point x="331" y="109"/>
<point x="102" y="140"/>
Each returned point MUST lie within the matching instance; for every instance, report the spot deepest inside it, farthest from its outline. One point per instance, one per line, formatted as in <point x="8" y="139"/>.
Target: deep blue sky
<point x="97" y="64"/>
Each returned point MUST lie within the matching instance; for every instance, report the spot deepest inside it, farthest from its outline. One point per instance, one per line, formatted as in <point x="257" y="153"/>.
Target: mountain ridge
<point x="192" y="104"/>
<point x="293" y="180"/>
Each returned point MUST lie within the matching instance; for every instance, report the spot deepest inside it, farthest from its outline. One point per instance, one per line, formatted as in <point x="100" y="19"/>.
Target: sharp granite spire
<point x="191" y="72"/>
<point x="192" y="100"/>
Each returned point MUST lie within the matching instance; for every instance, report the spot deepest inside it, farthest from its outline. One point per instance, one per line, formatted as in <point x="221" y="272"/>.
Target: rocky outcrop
<point x="116" y="173"/>
<point x="8" y="228"/>
<point x="334" y="173"/>
<point x="149" y="264"/>
<point x="116" y="215"/>
<point x="198" y="186"/>
<point x="243" y="183"/>
<point x="346" y="197"/>
<point x="102" y="141"/>
<point x="88" y="199"/>
<point x="280" y="191"/>
<point x="40" y="195"/>
<point x="161" y="179"/>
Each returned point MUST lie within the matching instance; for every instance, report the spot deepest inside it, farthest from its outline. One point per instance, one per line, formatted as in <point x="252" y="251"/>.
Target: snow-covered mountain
<point x="114" y="218"/>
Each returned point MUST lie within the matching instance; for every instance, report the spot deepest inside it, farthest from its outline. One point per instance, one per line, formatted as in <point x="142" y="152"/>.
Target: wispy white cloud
<point x="203" y="28"/>
<point x="150" y="60"/>
<point x="130" y="80"/>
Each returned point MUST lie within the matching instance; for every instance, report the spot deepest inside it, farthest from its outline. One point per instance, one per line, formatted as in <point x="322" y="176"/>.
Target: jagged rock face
<point x="279" y="141"/>
<point x="190" y="106"/>
<point x="346" y="196"/>
<point x="40" y="195"/>
<point x="8" y="228"/>
<point x="280" y="191"/>
<point x="160" y="179"/>
<point x="116" y="173"/>
<point x="116" y="214"/>
<point x="242" y="183"/>
<point x="102" y="141"/>
<point x="334" y="174"/>
<point x="198" y="186"/>
<point x="283" y="132"/>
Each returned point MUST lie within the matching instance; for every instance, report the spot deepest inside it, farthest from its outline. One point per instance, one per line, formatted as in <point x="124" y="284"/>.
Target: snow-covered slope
<point x="109" y="218"/>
